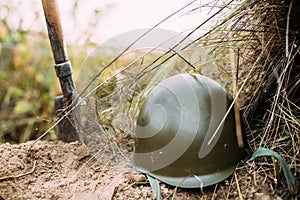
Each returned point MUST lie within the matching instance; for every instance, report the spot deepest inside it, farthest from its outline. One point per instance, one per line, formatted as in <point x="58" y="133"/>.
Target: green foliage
<point x="155" y="187"/>
<point x="27" y="84"/>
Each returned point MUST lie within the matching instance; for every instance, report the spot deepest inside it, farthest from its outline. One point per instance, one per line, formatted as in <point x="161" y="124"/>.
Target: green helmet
<point x="181" y="137"/>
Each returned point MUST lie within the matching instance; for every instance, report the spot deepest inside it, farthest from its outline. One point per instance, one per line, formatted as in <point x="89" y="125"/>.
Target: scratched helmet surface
<point x="181" y="137"/>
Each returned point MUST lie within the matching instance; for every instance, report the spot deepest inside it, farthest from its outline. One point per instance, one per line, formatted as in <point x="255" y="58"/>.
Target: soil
<point x="57" y="170"/>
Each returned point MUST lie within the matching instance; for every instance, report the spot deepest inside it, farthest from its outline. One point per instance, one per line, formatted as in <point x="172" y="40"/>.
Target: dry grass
<point x="253" y="51"/>
<point x="263" y="36"/>
<point x="257" y="42"/>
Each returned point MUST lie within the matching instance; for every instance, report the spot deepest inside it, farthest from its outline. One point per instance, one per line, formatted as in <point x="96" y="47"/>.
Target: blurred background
<point x="27" y="78"/>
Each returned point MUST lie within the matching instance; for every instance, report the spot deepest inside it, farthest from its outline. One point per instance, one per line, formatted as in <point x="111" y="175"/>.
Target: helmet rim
<point x="195" y="181"/>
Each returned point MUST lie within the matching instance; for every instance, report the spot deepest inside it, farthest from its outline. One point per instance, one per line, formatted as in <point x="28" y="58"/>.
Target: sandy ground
<point x="57" y="170"/>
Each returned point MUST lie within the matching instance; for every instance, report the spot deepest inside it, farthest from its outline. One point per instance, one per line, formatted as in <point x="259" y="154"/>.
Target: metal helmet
<point x="182" y="136"/>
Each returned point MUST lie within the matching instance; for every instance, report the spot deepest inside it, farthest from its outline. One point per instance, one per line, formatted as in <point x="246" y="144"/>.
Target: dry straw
<point x="254" y="52"/>
<point x="264" y="37"/>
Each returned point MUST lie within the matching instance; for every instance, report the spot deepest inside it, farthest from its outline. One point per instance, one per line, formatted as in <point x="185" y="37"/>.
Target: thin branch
<point x="19" y="175"/>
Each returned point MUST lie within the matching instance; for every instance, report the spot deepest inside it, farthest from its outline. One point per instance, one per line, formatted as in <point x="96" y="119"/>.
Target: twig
<point x="237" y="115"/>
<point x="238" y="186"/>
<point x="19" y="175"/>
<point x="287" y="30"/>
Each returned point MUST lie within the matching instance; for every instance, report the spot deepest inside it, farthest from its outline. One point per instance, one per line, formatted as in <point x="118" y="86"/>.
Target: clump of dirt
<point x="57" y="170"/>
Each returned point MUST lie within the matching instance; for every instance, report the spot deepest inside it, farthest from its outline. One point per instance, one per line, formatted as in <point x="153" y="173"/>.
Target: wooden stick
<point x="237" y="114"/>
<point x="55" y="31"/>
<point x="238" y="126"/>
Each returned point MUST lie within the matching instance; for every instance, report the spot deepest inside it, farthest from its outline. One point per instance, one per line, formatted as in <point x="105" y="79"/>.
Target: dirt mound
<point x="57" y="170"/>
